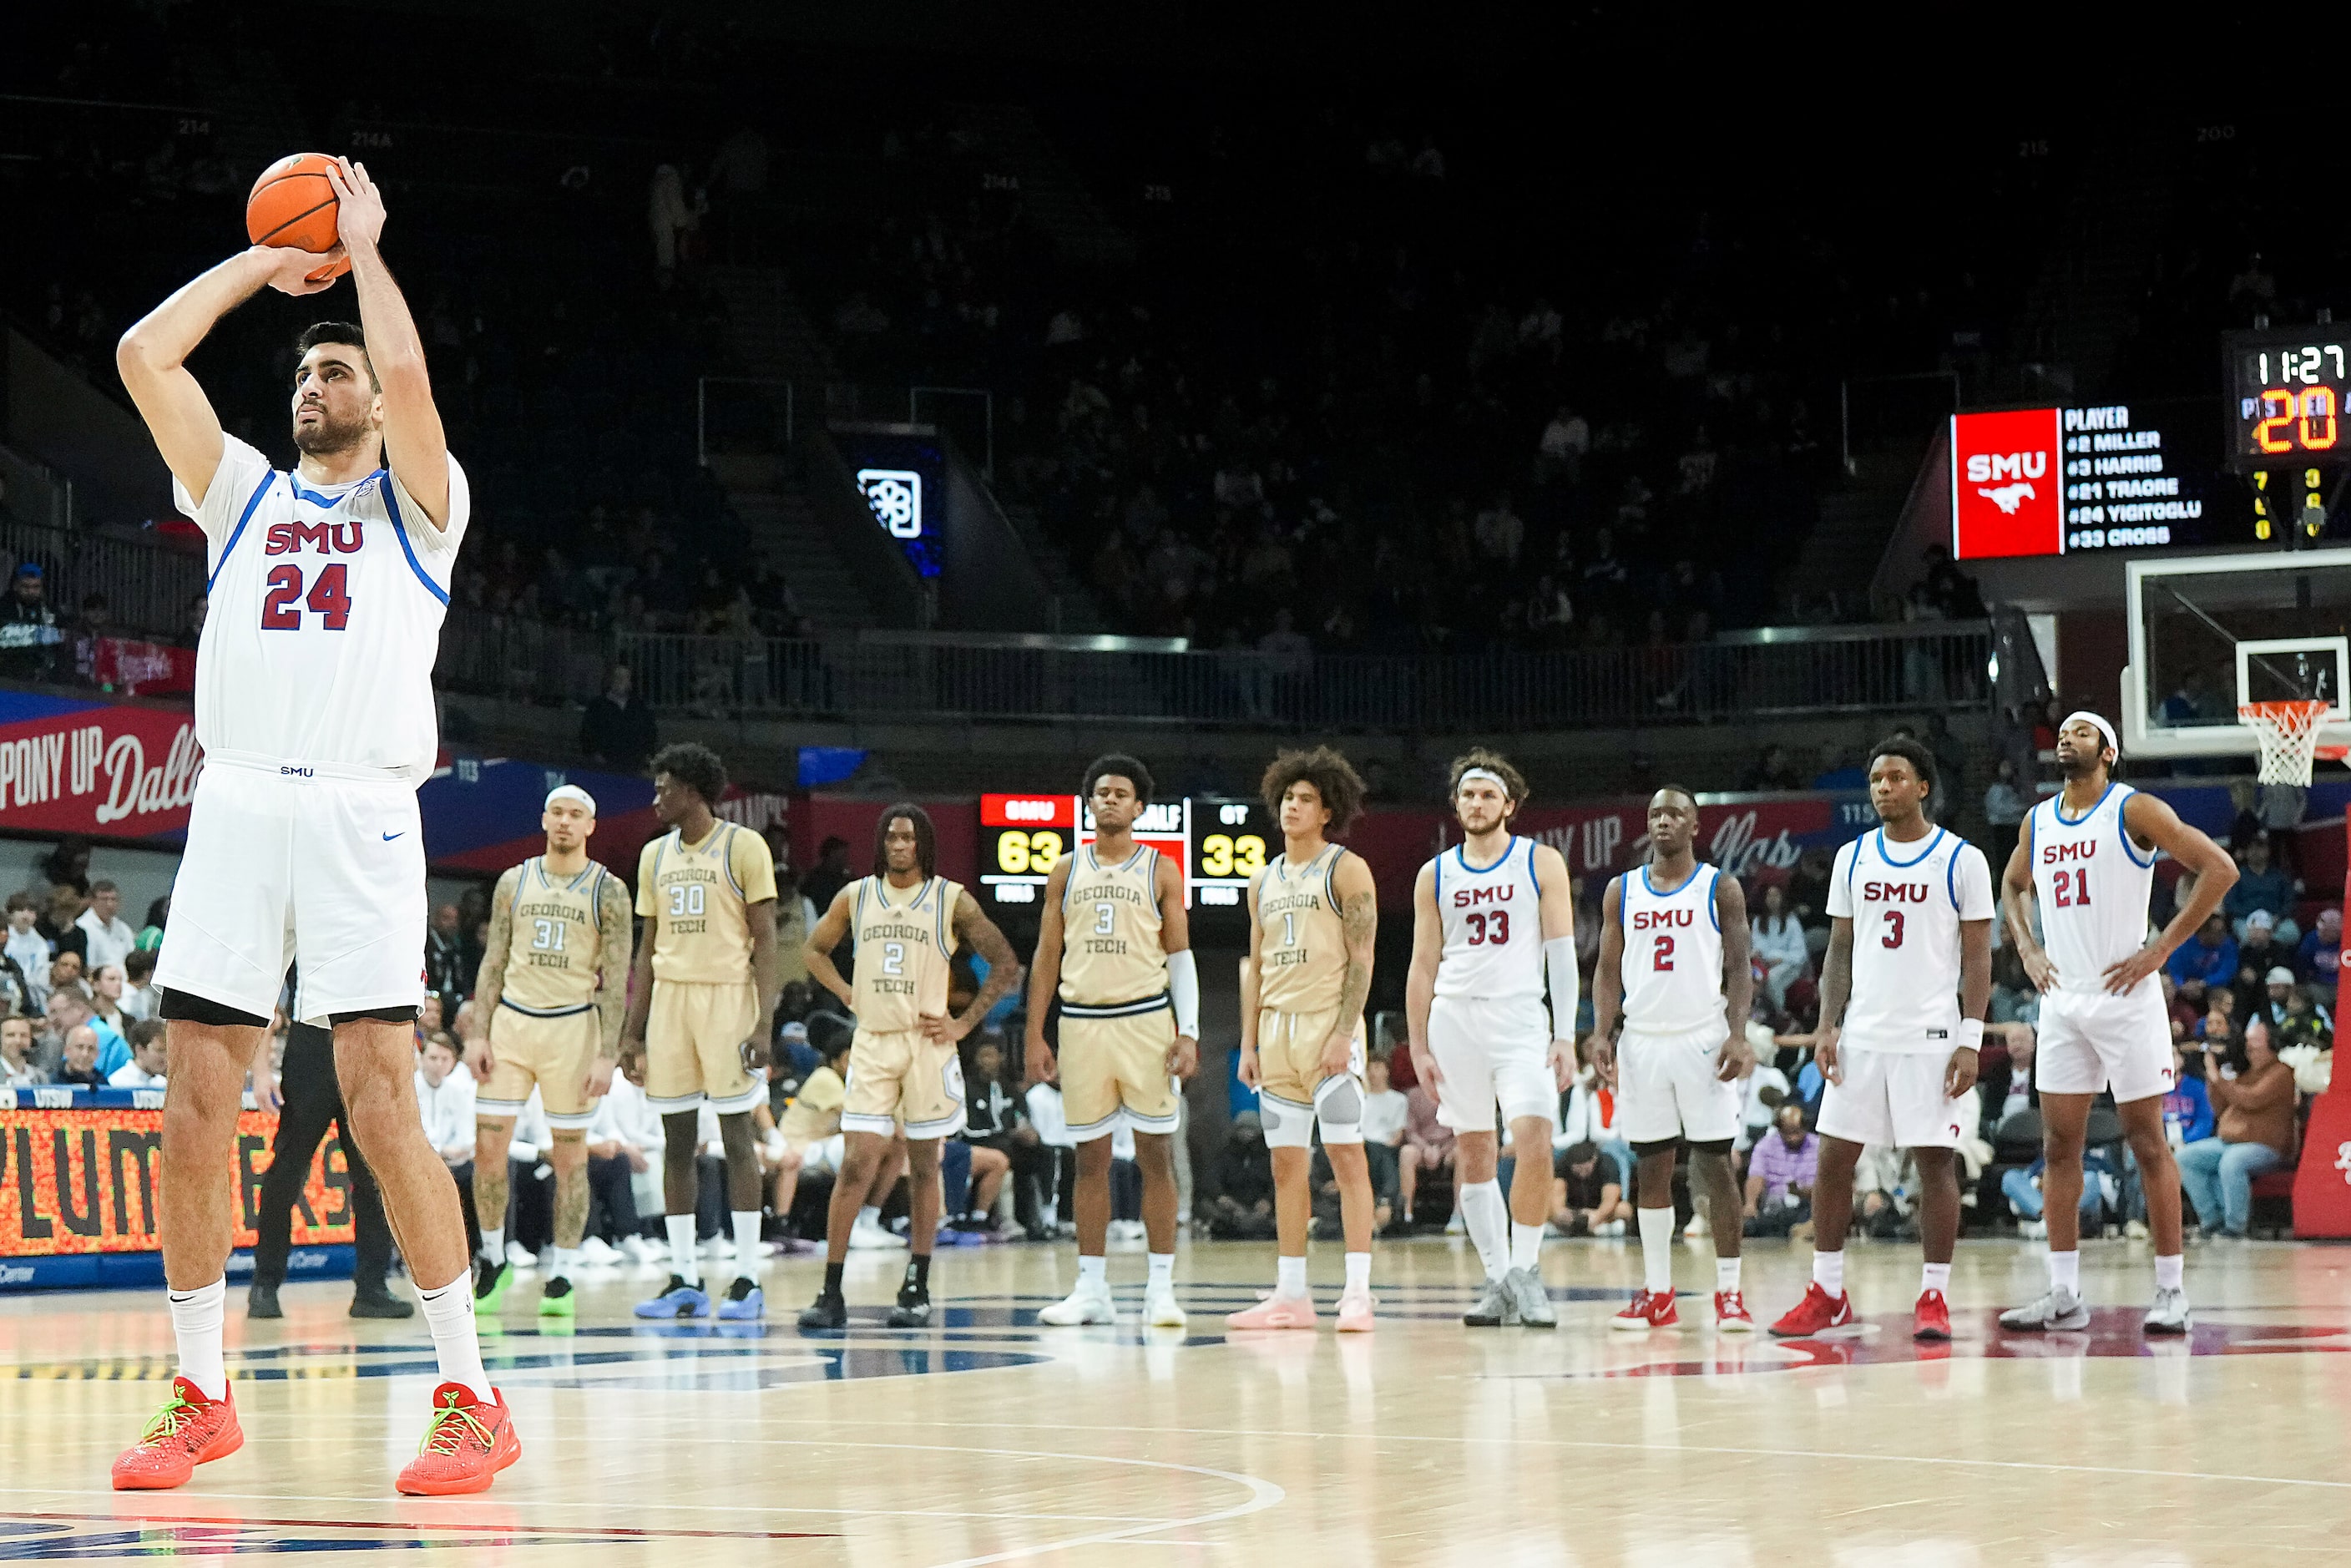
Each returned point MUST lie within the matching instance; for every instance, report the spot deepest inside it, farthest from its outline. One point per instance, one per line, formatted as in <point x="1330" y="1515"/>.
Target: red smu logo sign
<point x="2007" y="484"/>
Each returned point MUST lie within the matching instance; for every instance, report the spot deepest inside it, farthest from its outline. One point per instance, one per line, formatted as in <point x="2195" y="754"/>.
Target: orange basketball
<point x="293" y="205"/>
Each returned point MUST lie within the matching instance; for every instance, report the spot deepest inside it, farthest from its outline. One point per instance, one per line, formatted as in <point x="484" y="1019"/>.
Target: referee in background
<point x="313" y="1101"/>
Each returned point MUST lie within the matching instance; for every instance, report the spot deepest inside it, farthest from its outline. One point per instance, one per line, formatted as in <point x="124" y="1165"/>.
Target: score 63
<point x="1232" y="855"/>
<point x="1016" y="852"/>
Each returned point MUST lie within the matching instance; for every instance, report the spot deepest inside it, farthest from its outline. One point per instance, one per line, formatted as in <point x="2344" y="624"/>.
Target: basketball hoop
<point x="2288" y="733"/>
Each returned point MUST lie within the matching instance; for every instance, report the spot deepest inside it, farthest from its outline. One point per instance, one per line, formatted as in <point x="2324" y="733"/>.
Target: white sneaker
<point x="638" y="1249"/>
<point x="1084" y="1306"/>
<point x="2136" y="1230"/>
<point x="1127" y="1229"/>
<point x="518" y="1257"/>
<point x="1696" y="1227"/>
<point x="1161" y="1310"/>
<point x="1614" y="1228"/>
<point x="2169" y="1314"/>
<point x="596" y="1249"/>
<point x="1454" y="1227"/>
<point x="865" y="1237"/>
<point x="2032" y="1230"/>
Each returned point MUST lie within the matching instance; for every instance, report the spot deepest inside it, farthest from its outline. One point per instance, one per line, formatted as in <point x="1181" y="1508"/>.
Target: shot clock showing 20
<point x="2287" y="393"/>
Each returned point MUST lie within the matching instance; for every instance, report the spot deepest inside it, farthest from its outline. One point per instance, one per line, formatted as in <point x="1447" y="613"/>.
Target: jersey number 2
<point x="1489" y="926"/>
<point x="330" y="596"/>
<point x="1661" y="952"/>
<point x="2071" y="888"/>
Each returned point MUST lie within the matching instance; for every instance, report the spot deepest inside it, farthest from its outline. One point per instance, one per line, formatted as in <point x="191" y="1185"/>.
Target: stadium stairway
<point x="770" y="496"/>
<point x="773" y="334"/>
<point x="1840" y="556"/>
<point x="1056" y="200"/>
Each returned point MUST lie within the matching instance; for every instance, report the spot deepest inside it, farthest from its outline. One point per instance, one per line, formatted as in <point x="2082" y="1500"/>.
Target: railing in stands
<point x="148" y="586"/>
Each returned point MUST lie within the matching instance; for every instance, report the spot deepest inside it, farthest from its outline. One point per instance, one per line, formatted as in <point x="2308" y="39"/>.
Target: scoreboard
<point x="2285" y="390"/>
<point x="1217" y="844"/>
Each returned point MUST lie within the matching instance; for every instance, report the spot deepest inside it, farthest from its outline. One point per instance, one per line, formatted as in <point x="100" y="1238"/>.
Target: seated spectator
<point x="810" y="1125"/>
<point x="1590" y="1117"/>
<point x="1778" y="942"/>
<point x="2187" y="1108"/>
<point x="1244" y="1206"/>
<point x="1045" y="1114"/>
<point x="2021" y="1187"/>
<point x="2305" y="1023"/>
<point x="447" y="1102"/>
<point x="69" y="1009"/>
<point x="2005" y="1087"/>
<point x="625" y="1142"/>
<point x="2253" y="1094"/>
<point x="1002" y="1142"/>
<point x="1587" y="1198"/>
<point x="2264" y="888"/>
<point x="2210" y="958"/>
<point x="140" y="997"/>
<point x="2320" y="954"/>
<point x="2186" y="1003"/>
<point x="1386" y="1116"/>
<point x="2220" y="1021"/>
<point x="2258" y="952"/>
<point x="80" y="1068"/>
<point x="1427" y="1147"/>
<point x="146" y="1067"/>
<point x="28" y="950"/>
<point x="529" y="1220"/>
<point x="1779" y="1175"/>
<point x="106" y="987"/>
<point x="16" y="1069"/>
<point x="67" y="972"/>
<point x="2277" y="997"/>
<point x="1883" y="1181"/>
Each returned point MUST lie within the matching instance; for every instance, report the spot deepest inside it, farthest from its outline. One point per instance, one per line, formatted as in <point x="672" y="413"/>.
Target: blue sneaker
<point x="678" y="1300"/>
<point x="744" y="1299"/>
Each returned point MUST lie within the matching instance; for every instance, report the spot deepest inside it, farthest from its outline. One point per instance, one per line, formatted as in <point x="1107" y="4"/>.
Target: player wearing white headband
<point x="547" y="1017"/>
<point x="1493" y="920"/>
<point x="2086" y="859"/>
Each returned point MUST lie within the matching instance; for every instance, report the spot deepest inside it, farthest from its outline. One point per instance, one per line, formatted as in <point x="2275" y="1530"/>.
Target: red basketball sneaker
<point x="1816" y="1311"/>
<point x="190" y="1430"/>
<point x="1649" y="1310"/>
<point x="1933" y="1321"/>
<point x="466" y="1445"/>
<point x="1730" y="1314"/>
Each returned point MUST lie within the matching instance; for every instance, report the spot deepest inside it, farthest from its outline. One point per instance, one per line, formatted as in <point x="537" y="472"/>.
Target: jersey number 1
<point x="328" y="596"/>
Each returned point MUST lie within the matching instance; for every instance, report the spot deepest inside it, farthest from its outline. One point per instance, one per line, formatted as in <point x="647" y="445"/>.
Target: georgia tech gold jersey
<point x="905" y="937"/>
<point x="1110" y="929"/>
<point x="696" y="899"/>
<point x="1302" y="946"/>
<point x="555" y="956"/>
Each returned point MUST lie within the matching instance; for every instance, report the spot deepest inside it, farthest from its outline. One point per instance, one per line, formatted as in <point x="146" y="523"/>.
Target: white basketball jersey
<point x="2093" y="884"/>
<point x="325" y="617"/>
<point x="1673" y="954"/>
<point x="1907" y="902"/>
<point x="1492" y="916"/>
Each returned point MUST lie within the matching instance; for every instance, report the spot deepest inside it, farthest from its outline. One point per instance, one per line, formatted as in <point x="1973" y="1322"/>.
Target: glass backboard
<point x="2210" y="632"/>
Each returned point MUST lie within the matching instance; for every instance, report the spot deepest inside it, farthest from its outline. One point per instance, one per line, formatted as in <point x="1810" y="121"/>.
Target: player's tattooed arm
<point x="615" y="942"/>
<point x="830" y="929"/>
<point x="1045" y="976"/>
<point x="489" y="981"/>
<point x="1737" y="975"/>
<point x="1359" y="916"/>
<point x="974" y="928"/>
<point x="766" y="980"/>
<point x="413" y="440"/>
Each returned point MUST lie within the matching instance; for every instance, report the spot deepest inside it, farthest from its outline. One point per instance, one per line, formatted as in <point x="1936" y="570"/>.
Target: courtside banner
<point x="88" y="1179"/>
<point x="115" y="770"/>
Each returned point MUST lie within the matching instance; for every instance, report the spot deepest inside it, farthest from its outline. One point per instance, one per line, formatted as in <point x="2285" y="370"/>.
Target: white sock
<point x="1290" y="1278"/>
<point x="2065" y="1271"/>
<point x="1725" y="1273"/>
<point x="1828" y="1271"/>
<point x="566" y="1260"/>
<point x="2171" y="1273"/>
<point x="449" y="1313"/>
<point x="748" y="1249"/>
<point x="493" y="1243"/>
<point x="1935" y="1276"/>
<point x="870" y="1216"/>
<point x="1163" y="1271"/>
<point x="1093" y="1276"/>
<point x="1487" y="1220"/>
<point x="1656" y="1251"/>
<point x="682" y="1262"/>
<point x="1526" y="1246"/>
<point x="196" y="1318"/>
<point x="1359" y="1272"/>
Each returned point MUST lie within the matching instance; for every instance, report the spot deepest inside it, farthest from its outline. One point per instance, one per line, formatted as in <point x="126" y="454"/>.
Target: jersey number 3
<point x="328" y="596"/>
<point x="1489" y="926"/>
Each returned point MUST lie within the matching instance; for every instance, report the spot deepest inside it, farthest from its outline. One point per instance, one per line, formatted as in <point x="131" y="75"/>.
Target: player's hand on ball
<point x="1960" y="1075"/>
<point x="600" y="1077"/>
<point x="358" y="214"/>
<point x="1824" y="1053"/>
<point x="299" y="272"/>
<point x="1183" y="1057"/>
<point x="1247" y="1068"/>
<point x="1039" y="1060"/>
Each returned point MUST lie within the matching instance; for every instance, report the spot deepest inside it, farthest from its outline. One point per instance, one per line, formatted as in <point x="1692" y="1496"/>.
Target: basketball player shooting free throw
<point x="313" y="707"/>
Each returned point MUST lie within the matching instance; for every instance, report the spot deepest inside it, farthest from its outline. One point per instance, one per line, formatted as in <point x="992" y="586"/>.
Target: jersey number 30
<point x="685" y="898"/>
<point x="328" y="596"/>
<point x="1489" y="926"/>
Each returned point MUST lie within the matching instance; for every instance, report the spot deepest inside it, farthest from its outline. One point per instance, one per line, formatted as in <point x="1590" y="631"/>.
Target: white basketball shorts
<point x="2091" y="1040"/>
<point x="1895" y="1098"/>
<point x="298" y="864"/>
<point x="1492" y="1052"/>
<point x="1666" y="1088"/>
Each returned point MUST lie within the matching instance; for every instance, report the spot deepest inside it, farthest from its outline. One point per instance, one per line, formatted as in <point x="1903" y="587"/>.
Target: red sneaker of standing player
<point x="190" y="1430"/>
<point x="466" y="1445"/>
<point x="1730" y="1314"/>
<point x="1816" y="1311"/>
<point x="1649" y="1310"/>
<point x="1933" y="1321"/>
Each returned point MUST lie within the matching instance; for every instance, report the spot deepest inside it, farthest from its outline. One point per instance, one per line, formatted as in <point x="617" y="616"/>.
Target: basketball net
<point x="2288" y="733"/>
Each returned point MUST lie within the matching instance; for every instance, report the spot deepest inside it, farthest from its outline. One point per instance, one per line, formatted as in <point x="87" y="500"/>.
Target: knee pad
<point x="1287" y="1125"/>
<point x="1339" y="1107"/>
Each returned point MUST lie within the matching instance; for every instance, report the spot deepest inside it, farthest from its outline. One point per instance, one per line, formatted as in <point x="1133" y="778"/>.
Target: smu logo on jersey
<point x="328" y="538"/>
<point x="1660" y="919"/>
<point x="1894" y="891"/>
<point x="1470" y="897"/>
<point x="2051" y="855"/>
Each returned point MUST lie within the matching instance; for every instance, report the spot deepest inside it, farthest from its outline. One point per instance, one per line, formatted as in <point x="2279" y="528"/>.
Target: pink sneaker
<point x="1276" y="1312"/>
<point x="1356" y="1311"/>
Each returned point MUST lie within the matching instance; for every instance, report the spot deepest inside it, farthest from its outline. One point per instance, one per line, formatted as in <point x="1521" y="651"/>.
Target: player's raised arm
<point x="1420" y="980"/>
<point x="1558" y="910"/>
<point x="1359" y="917"/>
<point x="414" y="445"/>
<point x="831" y="927"/>
<point x="973" y="927"/>
<point x="1738" y="976"/>
<point x="489" y="982"/>
<point x="1183" y="970"/>
<point x="1045" y="974"/>
<point x="152" y="355"/>
<point x="2151" y="820"/>
<point x="1608" y="981"/>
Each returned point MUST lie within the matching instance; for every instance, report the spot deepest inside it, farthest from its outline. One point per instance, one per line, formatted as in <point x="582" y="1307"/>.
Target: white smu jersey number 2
<point x="1672" y="967"/>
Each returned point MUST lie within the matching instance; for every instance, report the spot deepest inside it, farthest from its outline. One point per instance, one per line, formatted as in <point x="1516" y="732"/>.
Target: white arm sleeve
<point x="1184" y="990"/>
<point x="1559" y="964"/>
